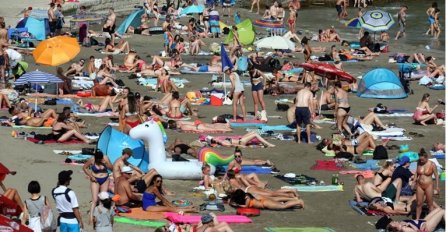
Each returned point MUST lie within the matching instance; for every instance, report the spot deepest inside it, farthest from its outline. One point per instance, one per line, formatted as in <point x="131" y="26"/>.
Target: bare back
<point x="303" y="98"/>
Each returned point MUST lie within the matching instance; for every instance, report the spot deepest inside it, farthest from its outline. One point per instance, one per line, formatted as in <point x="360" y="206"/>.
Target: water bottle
<point x="427" y="47"/>
<point x="334" y="179"/>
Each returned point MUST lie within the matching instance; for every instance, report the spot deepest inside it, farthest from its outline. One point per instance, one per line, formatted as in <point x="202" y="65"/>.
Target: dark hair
<point x="91" y="57"/>
<point x="98" y="156"/>
<point x="307" y="84"/>
<point x="157" y="111"/>
<point x="11" y="109"/>
<point x="172" y="124"/>
<point x="238" y="197"/>
<point x="425" y="96"/>
<point x="304" y="40"/>
<point x="338" y="84"/>
<point x="66" y="108"/>
<point x="152" y="182"/>
<point x="61" y="117"/>
<point x="147" y="98"/>
<point x="137" y="96"/>
<point x="321" y="145"/>
<point x="175" y="95"/>
<point x="34" y="187"/>
<point x="422" y="153"/>
<point x="434" y="4"/>
<point x="230" y="174"/>
<point x="366" y="33"/>
<point x="359" y="176"/>
<point x="205" y="165"/>
<point x="238" y="150"/>
<point x="107" y="41"/>
<point x="107" y="203"/>
<point x="131" y="102"/>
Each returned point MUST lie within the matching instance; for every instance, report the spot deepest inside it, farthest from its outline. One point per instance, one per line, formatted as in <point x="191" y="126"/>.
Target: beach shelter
<point x="193" y="9"/>
<point x="134" y="20"/>
<point x="381" y="83"/>
<point x="246" y="33"/>
<point x="112" y="142"/>
<point x="39" y="28"/>
<point x="354" y="23"/>
<point x="56" y="51"/>
<point x="275" y="42"/>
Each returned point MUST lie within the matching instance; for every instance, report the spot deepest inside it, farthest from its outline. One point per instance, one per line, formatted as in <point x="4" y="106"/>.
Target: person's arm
<point x="134" y="167"/>
<point x="130" y="193"/>
<point x="107" y="163"/>
<point x="163" y="200"/>
<point x="357" y="196"/>
<point x="437" y="178"/>
<point x="78" y="217"/>
<point x="88" y="172"/>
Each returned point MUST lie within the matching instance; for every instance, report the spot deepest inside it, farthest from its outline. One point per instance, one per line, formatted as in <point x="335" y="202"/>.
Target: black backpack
<point x="380" y="153"/>
<point x="64" y="193"/>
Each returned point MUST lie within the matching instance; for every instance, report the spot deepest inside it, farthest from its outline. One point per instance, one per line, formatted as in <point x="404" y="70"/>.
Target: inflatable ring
<point x="249" y="212"/>
<point x="182" y="203"/>
<point x="156" y="30"/>
<point x="269" y="23"/>
<point x="83" y="94"/>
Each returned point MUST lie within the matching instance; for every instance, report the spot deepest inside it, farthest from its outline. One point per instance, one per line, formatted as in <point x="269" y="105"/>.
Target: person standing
<point x="431" y="18"/>
<point x="237" y="91"/>
<point x="59" y="19"/>
<point x="304" y="111"/>
<point x="70" y="219"/>
<point x="255" y="2"/>
<point x="258" y="80"/>
<point x="109" y="26"/>
<point x="52" y="19"/>
<point x="402" y="14"/>
<point x="425" y="185"/>
<point x="34" y="205"/>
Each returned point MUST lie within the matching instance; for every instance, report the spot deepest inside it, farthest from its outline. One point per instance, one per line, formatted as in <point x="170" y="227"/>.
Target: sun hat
<point x="403" y="160"/>
<point x="206" y="218"/>
<point x="103" y="195"/>
<point x="126" y="169"/>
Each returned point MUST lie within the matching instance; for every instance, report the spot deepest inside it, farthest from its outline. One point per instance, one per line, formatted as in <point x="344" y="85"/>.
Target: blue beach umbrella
<point x="376" y="20"/>
<point x="225" y="62"/>
<point x="193" y="9"/>
<point x="354" y="23"/>
<point x="37" y="77"/>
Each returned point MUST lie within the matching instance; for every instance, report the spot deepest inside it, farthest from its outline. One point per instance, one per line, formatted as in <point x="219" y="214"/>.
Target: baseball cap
<point x="206" y="218"/>
<point x="127" y="151"/>
<point x="103" y="195"/>
<point x="226" y="68"/>
<point x="65" y="176"/>
<point x="126" y="169"/>
<point x="403" y="160"/>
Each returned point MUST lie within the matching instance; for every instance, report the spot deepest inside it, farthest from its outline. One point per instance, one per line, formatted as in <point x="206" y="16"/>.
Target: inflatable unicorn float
<point x="154" y="137"/>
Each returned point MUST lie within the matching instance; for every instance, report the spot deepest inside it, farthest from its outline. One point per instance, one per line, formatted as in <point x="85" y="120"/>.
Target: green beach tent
<point x="246" y="33"/>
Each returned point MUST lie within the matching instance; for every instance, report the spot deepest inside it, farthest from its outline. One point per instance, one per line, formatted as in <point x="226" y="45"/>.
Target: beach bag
<point x="242" y="64"/>
<point x="380" y="153"/>
<point x="46" y="218"/>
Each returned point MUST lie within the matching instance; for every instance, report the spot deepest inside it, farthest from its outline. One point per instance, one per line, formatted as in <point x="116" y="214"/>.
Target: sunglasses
<point x="238" y="156"/>
<point x="159" y="181"/>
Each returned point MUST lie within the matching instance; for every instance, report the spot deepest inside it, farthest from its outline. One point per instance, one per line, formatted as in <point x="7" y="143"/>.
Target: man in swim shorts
<point x="123" y="188"/>
<point x="109" y="26"/>
<point x="179" y="147"/>
<point x="401" y="22"/>
<point x="400" y="178"/>
<point x="304" y="111"/>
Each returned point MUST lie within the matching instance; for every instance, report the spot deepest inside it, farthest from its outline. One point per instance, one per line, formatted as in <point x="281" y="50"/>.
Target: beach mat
<point x="326" y="165"/>
<point x="265" y="128"/>
<point x="145" y="223"/>
<point x="396" y="115"/>
<point x="360" y="208"/>
<point x="316" y="188"/>
<point x="73" y="141"/>
<point x="31" y="127"/>
<point x="99" y="115"/>
<point x="195" y="219"/>
<point x="58" y="152"/>
<point x="246" y="123"/>
<point x="368" y="165"/>
<point x="140" y="214"/>
<point x="298" y="229"/>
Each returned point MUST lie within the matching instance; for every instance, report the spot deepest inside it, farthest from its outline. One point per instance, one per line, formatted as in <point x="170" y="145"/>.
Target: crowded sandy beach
<point x="222" y="116"/>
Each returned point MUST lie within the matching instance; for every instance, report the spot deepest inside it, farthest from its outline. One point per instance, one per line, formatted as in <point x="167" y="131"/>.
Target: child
<point x="103" y="214"/>
<point x="34" y="206"/>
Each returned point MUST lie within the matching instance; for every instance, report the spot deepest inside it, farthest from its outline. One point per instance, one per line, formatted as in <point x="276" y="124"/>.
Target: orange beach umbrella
<point x="56" y="51"/>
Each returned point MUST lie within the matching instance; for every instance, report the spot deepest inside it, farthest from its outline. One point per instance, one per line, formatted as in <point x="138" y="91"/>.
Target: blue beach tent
<point x="381" y="83"/>
<point x="112" y="142"/>
<point x="39" y="28"/>
<point x="134" y="20"/>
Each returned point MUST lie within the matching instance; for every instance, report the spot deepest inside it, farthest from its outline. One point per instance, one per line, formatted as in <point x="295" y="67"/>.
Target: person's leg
<point x="261" y="99"/>
<point x="308" y="130"/>
<point x="35" y="122"/>
<point x="254" y="179"/>
<point x="372" y="118"/>
<point x="242" y="104"/>
<point x="425" y="118"/>
<point x="149" y="175"/>
<point x="104" y="104"/>
<point x="251" y="135"/>
<point x="234" y="105"/>
<point x="157" y="60"/>
<point x="13" y="195"/>
<point x="434" y="218"/>
<point x="222" y="227"/>
<point x="429" y="192"/>
<point x="255" y="98"/>
<point x="49" y="113"/>
<point x="420" y="201"/>
<point x="398" y="183"/>
<point x="340" y="118"/>
<point x="94" y="186"/>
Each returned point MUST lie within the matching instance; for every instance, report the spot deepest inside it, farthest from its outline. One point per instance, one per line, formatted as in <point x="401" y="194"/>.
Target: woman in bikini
<point x="425" y="185"/>
<point x="239" y="198"/>
<point x="247" y="179"/>
<point x="101" y="107"/>
<point x="122" y="46"/>
<point x="342" y="108"/>
<point x="428" y="224"/>
<point x="431" y="18"/>
<point x="62" y="132"/>
<point x="154" y="191"/>
<point x="387" y="206"/>
<point x="242" y="142"/>
<point x="258" y="80"/>
<point x="424" y="113"/>
<point x="307" y="49"/>
<point x="382" y="177"/>
<point x="130" y="113"/>
<point x="198" y="126"/>
<point x="255" y="2"/>
<point x="96" y="170"/>
<point x="292" y="21"/>
<point x="175" y="107"/>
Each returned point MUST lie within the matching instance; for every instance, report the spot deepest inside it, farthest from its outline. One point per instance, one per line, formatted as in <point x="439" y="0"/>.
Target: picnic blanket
<point x="298" y="229"/>
<point x="30" y="127"/>
<point x="73" y="141"/>
<point x="195" y="219"/>
<point x="299" y="179"/>
<point x="145" y="223"/>
<point x="140" y="214"/>
<point x="368" y="165"/>
<point x="246" y="123"/>
<point x="327" y="165"/>
<point x="316" y="188"/>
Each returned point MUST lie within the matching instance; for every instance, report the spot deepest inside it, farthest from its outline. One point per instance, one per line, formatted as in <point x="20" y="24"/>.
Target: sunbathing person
<point x="11" y="193"/>
<point x="242" y="142"/>
<point x="155" y="190"/>
<point x="75" y="69"/>
<point x="198" y="126"/>
<point x="129" y="60"/>
<point x="164" y="83"/>
<point x="241" y="199"/>
<point x="383" y="176"/>
<point x="62" y="132"/>
<point x="204" y="68"/>
<point x="4" y="101"/>
<point x="424" y="113"/>
<point x="209" y="222"/>
<point x="103" y="90"/>
<point x="247" y="179"/>
<point x="428" y="224"/>
<point x="127" y="196"/>
<point x="103" y="76"/>
<point x="27" y="118"/>
<point x="143" y="29"/>
<point x="387" y="206"/>
<point x="101" y="107"/>
<point x="121" y="47"/>
<point x="178" y="147"/>
<point x="358" y="147"/>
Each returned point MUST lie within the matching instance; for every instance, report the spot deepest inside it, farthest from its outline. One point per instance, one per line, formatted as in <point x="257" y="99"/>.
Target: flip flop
<point x="413" y="133"/>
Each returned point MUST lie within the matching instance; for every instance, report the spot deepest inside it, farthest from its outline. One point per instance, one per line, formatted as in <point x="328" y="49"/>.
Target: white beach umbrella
<point x="275" y="42"/>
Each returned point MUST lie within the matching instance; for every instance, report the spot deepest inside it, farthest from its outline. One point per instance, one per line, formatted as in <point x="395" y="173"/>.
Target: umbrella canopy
<point x="193" y="9"/>
<point x="329" y="71"/>
<point x="7" y="224"/>
<point x="37" y="77"/>
<point x="56" y="51"/>
<point x="376" y="20"/>
<point x="275" y="42"/>
<point x="354" y="23"/>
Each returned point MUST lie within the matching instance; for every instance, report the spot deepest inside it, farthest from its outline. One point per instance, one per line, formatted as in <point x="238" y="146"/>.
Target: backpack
<point x="64" y="193"/>
<point x="242" y="64"/>
<point x="274" y="64"/>
<point x="380" y="153"/>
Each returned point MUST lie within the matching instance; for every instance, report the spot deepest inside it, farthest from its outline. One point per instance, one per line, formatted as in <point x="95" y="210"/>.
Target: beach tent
<point x="134" y="20"/>
<point x="245" y="32"/>
<point x="381" y="83"/>
<point x="39" y="28"/>
<point x="112" y="142"/>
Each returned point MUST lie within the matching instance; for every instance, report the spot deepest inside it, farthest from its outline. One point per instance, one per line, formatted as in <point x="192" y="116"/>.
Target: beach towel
<point x="145" y="223"/>
<point x="397" y="138"/>
<point x="98" y="115"/>
<point x="396" y="115"/>
<point x="325" y="121"/>
<point x="73" y="141"/>
<point x="195" y="219"/>
<point x="185" y="118"/>
<point x="368" y="165"/>
<point x="30" y="127"/>
<point x="360" y="208"/>
<point x="186" y="70"/>
<point x="316" y="188"/>
<point x="140" y="214"/>
<point x="327" y="165"/>
<point x="265" y="128"/>
<point x="298" y="229"/>
<point x="246" y="123"/>
<point x="246" y="169"/>
<point x="299" y="179"/>
<point x="367" y="174"/>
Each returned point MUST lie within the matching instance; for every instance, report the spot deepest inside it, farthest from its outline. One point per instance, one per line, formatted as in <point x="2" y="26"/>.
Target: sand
<point x="38" y="162"/>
